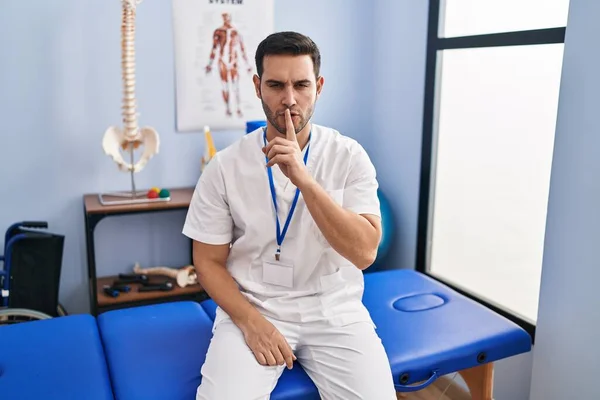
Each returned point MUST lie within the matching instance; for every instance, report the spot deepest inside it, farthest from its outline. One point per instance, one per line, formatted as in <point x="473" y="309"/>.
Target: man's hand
<point x="287" y="154"/>
<point x="267" y="343"/>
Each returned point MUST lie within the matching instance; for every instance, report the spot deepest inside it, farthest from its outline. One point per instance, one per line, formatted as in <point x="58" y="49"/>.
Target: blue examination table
<point x="156" y="352"/>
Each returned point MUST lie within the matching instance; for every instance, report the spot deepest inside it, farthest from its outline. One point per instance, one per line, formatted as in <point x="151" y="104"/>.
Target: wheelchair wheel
<point x="61" y="311"/>
<point x="9" y="316"/>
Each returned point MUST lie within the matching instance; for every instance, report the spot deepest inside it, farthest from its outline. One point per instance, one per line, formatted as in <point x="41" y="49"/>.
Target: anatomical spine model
<point x="131" y="136"/>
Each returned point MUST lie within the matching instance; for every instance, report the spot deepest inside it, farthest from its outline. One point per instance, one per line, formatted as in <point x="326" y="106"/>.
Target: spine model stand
<point x="130" y="137"/>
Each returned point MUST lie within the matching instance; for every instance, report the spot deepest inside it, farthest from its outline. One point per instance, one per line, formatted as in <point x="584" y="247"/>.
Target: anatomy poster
<point x="215" y="44"/>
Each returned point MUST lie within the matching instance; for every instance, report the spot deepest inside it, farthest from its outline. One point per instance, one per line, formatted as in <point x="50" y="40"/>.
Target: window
<point x="477" y="17"/>
<point x="491" y="101"/>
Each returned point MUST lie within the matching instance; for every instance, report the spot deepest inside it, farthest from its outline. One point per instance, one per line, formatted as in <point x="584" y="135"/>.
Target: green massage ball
<point x="164" y="193"/>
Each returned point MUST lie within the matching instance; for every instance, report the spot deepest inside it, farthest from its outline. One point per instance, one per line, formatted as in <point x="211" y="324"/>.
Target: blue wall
<point x="394" y="141"/>
<point x="60" y="90"/>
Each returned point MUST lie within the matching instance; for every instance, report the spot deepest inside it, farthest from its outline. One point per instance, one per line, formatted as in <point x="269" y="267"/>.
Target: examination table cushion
<point x="58" y="358"/>
<point x="427" y="327"/>
<point x="156" y="351"/>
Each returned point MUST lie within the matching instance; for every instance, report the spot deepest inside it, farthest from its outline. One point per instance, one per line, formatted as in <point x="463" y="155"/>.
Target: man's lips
<point x="292" y="114"/>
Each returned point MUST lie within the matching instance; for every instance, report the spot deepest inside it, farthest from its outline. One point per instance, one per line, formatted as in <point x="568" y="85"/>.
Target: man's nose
<point x="289" y="100"/>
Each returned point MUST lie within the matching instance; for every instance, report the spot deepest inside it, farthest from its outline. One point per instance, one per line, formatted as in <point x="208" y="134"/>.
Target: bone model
<point x="184" y="276"/>
<point x="131" y="136"/>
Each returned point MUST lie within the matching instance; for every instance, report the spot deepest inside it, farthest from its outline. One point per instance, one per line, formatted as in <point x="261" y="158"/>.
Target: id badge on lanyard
<point x="279" y="271"/>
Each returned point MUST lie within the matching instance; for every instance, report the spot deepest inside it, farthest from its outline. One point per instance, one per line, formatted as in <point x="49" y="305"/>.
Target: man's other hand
<point x="267" y="343"/>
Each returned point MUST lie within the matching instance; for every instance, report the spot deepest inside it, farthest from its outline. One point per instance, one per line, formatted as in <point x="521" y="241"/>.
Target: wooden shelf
<point x="133" y="296"/>
<point x="95" y="211"/>
<point x="180" y="198"/>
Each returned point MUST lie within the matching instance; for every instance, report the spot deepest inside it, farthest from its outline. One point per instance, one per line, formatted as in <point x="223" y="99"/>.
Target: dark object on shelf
<point x="116" y="289"/>
<point x="110" y="291"/>
<point x="132" y="278"/>
<point x="165" y="287"/>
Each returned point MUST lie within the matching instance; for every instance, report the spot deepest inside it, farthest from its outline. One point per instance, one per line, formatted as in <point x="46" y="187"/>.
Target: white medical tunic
<point x="232" y="203"/>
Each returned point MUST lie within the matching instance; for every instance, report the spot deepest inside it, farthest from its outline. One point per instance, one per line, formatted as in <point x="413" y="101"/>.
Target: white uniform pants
<point x="345" y="363"/>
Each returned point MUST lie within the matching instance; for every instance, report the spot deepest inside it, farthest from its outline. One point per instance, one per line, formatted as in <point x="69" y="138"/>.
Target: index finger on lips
<point x="289" y="126"/>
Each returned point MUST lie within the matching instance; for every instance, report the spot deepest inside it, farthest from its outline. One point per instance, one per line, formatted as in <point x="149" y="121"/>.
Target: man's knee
<point x="229" y="389"/>
<point x="238" y="383"/>
<point x="350" y="363"/>
<point x="231" y="371"/>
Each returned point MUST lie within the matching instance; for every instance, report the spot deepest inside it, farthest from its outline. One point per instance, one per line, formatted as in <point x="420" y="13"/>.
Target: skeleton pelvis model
<point x="130" y="137"/>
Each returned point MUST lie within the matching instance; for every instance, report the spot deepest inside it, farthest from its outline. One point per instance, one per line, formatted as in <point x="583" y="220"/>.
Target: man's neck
<point x="302" y="135"/>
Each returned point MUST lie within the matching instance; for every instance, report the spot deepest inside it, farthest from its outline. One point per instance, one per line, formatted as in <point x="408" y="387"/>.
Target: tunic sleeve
<point x="208" y="218"/>
<point x="360" y="191"/>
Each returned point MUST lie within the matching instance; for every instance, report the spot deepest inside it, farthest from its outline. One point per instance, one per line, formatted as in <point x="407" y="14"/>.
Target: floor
<point x="442" y="389"/>
<point x="425" y="394"/>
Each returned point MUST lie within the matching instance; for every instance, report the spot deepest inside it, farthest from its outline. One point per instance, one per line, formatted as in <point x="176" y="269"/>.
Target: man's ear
<point x="320" y="83"/>
<point x="256" y="81"/>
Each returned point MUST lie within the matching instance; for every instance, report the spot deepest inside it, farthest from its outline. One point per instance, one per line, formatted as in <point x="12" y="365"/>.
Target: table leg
<point x="480" y="381"/>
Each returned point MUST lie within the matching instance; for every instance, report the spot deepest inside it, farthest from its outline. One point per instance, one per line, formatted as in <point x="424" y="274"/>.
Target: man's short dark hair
<point x="287" y="43"/>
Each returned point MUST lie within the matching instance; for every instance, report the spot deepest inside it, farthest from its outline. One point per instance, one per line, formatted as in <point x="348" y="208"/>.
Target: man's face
<point x="226" y="18"/>
<point x="288" y="82"/>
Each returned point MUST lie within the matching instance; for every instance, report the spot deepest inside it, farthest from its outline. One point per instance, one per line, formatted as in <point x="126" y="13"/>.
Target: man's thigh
<point x="231" y="371"/>
<point x="347" y="363"/>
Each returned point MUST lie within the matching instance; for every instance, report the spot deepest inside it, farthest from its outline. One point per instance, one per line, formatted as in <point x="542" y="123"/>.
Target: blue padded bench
<point x="156" y="352"/>
<point x="59" y="358"/>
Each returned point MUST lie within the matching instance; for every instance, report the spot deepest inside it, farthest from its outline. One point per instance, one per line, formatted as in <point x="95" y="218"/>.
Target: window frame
<point x="436" y="44"/>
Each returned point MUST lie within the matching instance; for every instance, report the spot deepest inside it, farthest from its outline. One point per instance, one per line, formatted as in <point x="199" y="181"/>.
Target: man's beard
<point x="272" y="118"/>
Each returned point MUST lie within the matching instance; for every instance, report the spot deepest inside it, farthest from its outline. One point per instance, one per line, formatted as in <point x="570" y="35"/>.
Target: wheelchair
<point x="30" y="277"/>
